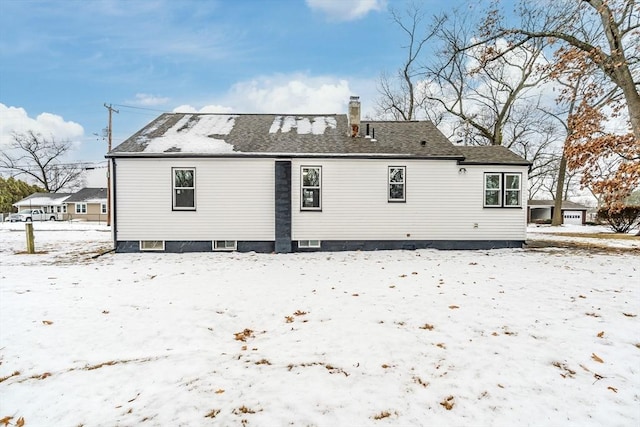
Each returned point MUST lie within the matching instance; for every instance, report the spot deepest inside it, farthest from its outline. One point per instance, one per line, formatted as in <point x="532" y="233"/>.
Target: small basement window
<point x="225" y="245"/>
<point x="308" y="243"/>
<point x="152" y="245"/>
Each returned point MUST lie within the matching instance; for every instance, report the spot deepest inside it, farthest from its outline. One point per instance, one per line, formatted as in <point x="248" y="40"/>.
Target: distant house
<point x="299" y="182"/>
<point x="48" y="202"/>
<point x="88" y="204"/>
<point x="542" y="211"/>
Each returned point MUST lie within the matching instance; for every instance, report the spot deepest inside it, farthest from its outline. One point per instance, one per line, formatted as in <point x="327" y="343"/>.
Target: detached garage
<point x="542" y="210"/>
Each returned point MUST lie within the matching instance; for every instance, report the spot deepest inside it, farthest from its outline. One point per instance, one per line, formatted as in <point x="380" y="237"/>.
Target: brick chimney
<point x="354" y="116"/>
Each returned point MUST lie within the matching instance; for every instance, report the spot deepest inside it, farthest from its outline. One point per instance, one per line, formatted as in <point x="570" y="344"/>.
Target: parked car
<point x="28" y="215"/>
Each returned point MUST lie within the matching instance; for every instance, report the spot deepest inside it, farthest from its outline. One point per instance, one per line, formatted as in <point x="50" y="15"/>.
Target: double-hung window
<point x="184" y="188"/>
<point x="103" y="208"/>
<point x="397" y="176"/>
<point x="81" y="208"/>
<point x="311" y="188"/>
<point x="502" y="189"/>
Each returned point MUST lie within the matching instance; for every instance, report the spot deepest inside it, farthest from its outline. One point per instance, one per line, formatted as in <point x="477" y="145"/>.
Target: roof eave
<point x="287" y="155"/>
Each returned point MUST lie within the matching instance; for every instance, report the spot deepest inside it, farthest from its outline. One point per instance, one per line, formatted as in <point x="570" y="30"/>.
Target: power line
<point x="141" y="108"/>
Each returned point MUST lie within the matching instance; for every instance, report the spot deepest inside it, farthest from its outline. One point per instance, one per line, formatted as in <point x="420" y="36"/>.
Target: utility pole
<point x="109" y="133"/>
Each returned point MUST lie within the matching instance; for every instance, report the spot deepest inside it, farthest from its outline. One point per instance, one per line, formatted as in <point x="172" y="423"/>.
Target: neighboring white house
<point x="283" y="183"/>
<point x="53" y="203"/>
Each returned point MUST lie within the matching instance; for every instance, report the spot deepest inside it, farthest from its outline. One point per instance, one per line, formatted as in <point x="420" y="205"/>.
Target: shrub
<point x="621" y="220"/>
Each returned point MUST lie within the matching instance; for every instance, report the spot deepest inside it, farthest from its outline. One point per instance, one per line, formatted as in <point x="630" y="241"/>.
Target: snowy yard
<point x="542" y="336"/>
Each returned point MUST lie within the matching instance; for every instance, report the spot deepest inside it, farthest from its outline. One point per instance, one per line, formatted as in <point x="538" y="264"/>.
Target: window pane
<point x="183" y="178"/>
<point x="512" y="198"/>
<point x="492" y="181"/>
<point x="310" y="198"/>
<point x="185" y="198"/>
<point x="311" y="177"/>
<point x="491" y="198"/>
<point x="512" y="182"/>
<point x="396" y="175"/>
<point x="396" y="191"/>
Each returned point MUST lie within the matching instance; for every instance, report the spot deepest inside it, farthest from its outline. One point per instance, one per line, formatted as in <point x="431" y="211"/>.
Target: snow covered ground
<point x="540" y="336"/>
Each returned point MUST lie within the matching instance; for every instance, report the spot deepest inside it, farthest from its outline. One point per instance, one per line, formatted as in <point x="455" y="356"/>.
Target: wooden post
<point x="31" y="247"/>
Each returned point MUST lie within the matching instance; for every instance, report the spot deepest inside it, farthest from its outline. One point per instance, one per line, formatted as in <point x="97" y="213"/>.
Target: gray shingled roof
<point x="88" y="194"/>
<point x="491" y="154"/>
<point x="181" y="134"/>
<point x="566" y="204"/>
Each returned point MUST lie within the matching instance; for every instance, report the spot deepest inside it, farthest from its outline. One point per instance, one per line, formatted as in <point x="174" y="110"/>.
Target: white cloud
<point x="346" y="10"/>
<point x="296" y="93"/>
<point x="16" y="119"/>
<point x="147" y="100"/>
<point x="291" y="94"/>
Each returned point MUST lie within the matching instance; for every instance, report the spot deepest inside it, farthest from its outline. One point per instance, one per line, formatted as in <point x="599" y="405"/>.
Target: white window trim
<point x="303" y="187"/>
<point x="309" y="243"/>
<point x="174" y="188"/>
<point x="502" y="190"/>
<point x="153" y="247"/>
<point x="506" y="190"/>
<point x="225" y="245"/>
<point x="79" y="211"/>
<point x="403" y="182"/>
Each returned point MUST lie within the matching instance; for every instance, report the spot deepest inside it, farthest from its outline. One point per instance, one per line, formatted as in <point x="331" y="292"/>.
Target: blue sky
<point x="60" y="61"/>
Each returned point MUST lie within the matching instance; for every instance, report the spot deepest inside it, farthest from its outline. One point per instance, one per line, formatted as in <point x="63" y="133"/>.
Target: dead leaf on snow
<point x="6" y="420"/>
<point x="630" y="314"/>
<point x="453" y="307"/>
<point x="242" y="336"/>
<point x="448" y="403"/>
<point x="219" y="391"/>
<point x="20" y="422"/>
<point x="600" y="334"/>
<point x="213" y="413"/>
<point x="613" y="389"/>
<point x="47" y="322"/>
<point x="596" y="358"/>
<point x="427" y="327"/>
<point x="381" y="415"/>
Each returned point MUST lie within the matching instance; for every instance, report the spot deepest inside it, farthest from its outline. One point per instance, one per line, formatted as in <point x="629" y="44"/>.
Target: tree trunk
<point x="557" y="210"/>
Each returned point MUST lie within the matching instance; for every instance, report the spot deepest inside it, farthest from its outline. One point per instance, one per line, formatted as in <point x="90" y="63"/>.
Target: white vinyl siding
<point x="235" y="200"/>
<point x="442" y="204"/>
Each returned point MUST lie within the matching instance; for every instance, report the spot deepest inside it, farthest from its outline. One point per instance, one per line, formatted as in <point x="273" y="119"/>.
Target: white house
<point x="283" y="183"/>
<point x="51" y="203"/>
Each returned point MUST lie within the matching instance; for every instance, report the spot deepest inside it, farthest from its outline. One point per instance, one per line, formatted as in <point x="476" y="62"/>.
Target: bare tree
<point x="446" y="79"/>
<point x="399" y="94"/>
<point x="32" y="155"/>
<point x="604" y="31"/>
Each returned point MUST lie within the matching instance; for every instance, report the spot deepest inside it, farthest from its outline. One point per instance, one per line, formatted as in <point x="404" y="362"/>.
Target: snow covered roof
<point x="282" y="134"/>
<point x="43" y="199"/>
<point x="297" y="135"/>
